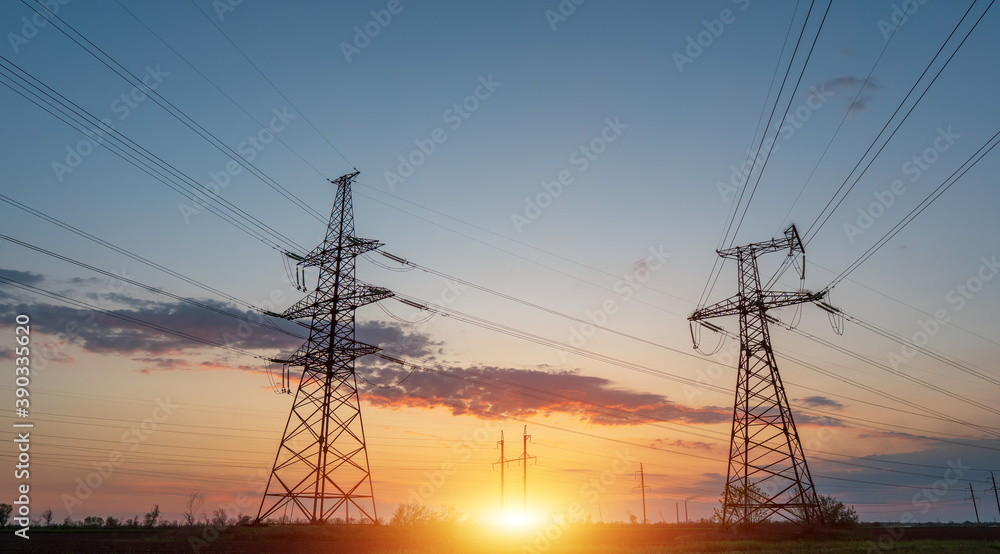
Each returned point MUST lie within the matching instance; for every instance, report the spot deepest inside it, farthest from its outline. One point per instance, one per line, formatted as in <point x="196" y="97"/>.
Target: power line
<point x="935" y="194"/>
<point x="173" y="110"/>
<point x="788" y="105"/>
<point x="836" y="132"/>
<point x="258" y="323"/>
<point x="270" y="82"/>
<point x="560" y="314"/>
<point x="735" y="205"/>
<point x="79" y="119"/>
<point x="813" y="229"/>
<point x="957" y="364"/>
<point x="230" y="98"/>
<point x="83" y="305"/>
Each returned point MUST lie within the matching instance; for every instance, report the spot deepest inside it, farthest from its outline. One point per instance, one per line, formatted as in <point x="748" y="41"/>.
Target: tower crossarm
<point x="304" y="308"/>
<point x="351" y="351"/>
<point x="356" y="295"/>
<point x="351" y="248"/>
<point x="766" y="300"/>
<point x="363" y="294"/>
<point x="791" y="241"/>
<point x="728" y="306"/>
<point x="778" y="299"/>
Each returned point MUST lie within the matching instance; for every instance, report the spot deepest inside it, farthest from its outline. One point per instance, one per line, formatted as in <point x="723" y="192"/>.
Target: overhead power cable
<point x="270" y="82"/>
<point x="25" y="85"/>
<point x="124" y="317"/>
<point x="129" y="77"/>
<point x="817" y="224"/>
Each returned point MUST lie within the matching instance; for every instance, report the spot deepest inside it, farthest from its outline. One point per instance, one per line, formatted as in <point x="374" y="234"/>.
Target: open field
<point x="590" y="539"/>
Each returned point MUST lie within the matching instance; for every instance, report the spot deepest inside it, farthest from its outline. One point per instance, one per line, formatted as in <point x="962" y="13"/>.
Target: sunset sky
<point x="462" y="118"/>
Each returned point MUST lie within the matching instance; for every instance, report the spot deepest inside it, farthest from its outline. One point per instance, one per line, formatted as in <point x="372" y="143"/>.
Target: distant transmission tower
<point x="502" y="462"/>
<point x="321" y="467"/>
<point x="767" y="472"/>
<point x="523" y="458"/>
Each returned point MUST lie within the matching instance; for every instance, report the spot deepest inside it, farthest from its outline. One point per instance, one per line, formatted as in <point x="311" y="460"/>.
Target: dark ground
<point x="582" y="539"/>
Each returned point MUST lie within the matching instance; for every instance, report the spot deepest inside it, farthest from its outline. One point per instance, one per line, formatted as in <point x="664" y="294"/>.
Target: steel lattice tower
<point x="322" y="465"/>
<point x="767" y="472"/>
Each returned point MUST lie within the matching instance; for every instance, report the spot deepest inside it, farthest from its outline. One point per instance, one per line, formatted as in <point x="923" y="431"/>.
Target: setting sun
<point x="520" y="519"/>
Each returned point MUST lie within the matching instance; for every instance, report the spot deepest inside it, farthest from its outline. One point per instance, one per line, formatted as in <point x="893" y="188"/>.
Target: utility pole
<point x="686" y="520"/>
<point x="677" y="511"/>
<point x="974" y="507"/>
<point x="523" y="458"/>
<point x="995" y="495"/>
<point x="767" y="471"/>
<point x="642" y="487"/>
<point x="322" y="461"/>
<point x="502" y="462"/>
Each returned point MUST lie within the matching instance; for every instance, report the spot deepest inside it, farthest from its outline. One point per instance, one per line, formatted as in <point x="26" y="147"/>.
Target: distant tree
<point x="193" y="507"/>
<point x="219" y="518"/>
<point x="836" y="513"/>
<point x="244" y="520"/>
<point x="448" y="515"/>
<point x="93" y="521"/>
<point x="632" y="518"/>
<point x="67" y="522"/>
<point x="5" y="510"/>
<point x="151" y="517"/>
<point x="410" y="514"/>
<point x="47" y="516"/>
<point x="112" y="522"/>
<point x="740" y="495"/>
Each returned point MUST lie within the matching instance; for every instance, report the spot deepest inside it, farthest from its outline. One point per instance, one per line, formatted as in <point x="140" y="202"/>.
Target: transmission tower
<point x="767" y="472"/>
<point x="321" y="467"/>
<point x="523" y="458"/>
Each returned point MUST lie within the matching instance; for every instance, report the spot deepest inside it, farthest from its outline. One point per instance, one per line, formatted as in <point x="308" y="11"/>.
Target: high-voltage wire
<point x="120" y="70"/>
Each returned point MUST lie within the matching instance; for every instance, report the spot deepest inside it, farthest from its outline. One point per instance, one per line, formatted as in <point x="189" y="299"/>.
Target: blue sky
<point x="554" y="87"/>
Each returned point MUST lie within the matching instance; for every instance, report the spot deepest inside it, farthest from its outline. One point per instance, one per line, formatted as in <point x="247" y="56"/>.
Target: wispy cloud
<point x="849" y="87"/>
<point x="821" y="402"/>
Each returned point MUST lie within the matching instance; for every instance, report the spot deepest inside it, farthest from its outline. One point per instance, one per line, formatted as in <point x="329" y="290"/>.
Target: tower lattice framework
<point x="321" y="468"/>
<point x="767" y="474"/>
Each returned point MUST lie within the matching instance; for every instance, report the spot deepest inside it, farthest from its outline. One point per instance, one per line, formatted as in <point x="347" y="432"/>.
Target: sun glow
<point x="520" y="520"/>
